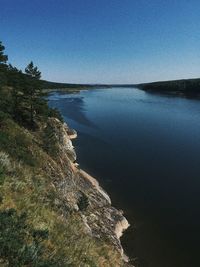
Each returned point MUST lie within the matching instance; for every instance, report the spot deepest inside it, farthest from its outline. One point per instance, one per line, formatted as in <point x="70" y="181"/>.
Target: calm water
<point x="145" y="150"/>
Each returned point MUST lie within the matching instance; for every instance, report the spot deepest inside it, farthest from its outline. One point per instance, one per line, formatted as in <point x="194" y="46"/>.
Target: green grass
<point x="28" y="178"/>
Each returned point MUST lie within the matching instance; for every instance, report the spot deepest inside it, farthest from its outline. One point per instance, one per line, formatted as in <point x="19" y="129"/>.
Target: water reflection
<point x="71" y="107"/>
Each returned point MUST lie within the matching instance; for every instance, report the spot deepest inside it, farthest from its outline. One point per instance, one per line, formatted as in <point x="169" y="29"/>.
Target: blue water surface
<point x="144" y="149"/>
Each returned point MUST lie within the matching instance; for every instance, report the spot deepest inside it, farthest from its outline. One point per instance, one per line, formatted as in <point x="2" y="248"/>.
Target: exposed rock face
<point x="62" y="135"/>
<point x="121" y="226"/>
<point x="80" y="192"/>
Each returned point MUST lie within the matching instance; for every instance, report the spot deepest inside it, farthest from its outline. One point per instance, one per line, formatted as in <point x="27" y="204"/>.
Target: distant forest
<point x="187" y="87"/>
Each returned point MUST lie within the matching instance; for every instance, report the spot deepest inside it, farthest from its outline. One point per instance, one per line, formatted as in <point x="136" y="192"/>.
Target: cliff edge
<point x="39" y="177"/>
<point x="100" y="219"/>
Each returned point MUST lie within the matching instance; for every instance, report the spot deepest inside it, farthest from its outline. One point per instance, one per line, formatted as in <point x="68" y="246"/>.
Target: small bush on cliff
<point x="83" y="202"/>
<point x="2" y="174"/>
<point x="20" y="245"/>
<point x="15" y="141"/>
<point x="50" y="142"/>
<point x="54" y="112"/>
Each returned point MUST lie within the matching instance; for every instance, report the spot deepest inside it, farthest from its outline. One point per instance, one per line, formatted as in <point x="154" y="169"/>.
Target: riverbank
<point x="112" y="219"/>
<point x="63" y="213"/>
<point x="125" y="138"/>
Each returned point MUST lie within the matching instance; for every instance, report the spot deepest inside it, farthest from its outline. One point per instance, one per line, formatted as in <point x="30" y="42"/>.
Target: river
<point x="144" y="149"/>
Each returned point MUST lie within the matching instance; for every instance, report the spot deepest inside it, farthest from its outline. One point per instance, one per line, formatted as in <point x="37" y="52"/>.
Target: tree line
<point x="21" y="93"/>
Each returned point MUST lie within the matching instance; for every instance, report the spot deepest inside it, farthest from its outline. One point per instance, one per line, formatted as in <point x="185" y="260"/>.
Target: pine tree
<point x="16" y="80"/>
<point x="3" y="66"/>
<point x="33" y="89"/>
<point x="32" y="71"/>
<point x="3" y="58"/>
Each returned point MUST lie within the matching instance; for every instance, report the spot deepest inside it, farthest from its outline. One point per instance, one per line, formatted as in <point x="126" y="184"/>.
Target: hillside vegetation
<point x="50" y="214"/>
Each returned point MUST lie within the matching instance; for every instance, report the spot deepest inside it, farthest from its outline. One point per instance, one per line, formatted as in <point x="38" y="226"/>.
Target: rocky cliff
<point x="99" y="218"/>
<point x="68" y="219"/>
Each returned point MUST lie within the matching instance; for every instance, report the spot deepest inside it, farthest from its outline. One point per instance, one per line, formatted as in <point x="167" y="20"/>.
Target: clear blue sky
<point x="105" y="41"/>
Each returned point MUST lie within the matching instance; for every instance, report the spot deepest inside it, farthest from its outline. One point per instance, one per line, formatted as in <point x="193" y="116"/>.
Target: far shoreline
<point x="189" y="88"/>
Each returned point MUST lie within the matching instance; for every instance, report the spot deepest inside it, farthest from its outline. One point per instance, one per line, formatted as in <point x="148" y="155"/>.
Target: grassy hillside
<point x="37" y="225"/>
<point x="50" y="213"/>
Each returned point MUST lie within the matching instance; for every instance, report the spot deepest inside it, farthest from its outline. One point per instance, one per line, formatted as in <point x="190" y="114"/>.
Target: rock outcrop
<point x="65" y="210"/>
<point x="82" y="192"/>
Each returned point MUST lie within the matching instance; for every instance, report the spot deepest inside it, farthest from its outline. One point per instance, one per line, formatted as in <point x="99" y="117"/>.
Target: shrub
<point x="50" y="142"/>
<point x="83" y="202"/>
<point x="5" y="166"/>
<point x="20" y="244"/>
<point x="54" y="112"/>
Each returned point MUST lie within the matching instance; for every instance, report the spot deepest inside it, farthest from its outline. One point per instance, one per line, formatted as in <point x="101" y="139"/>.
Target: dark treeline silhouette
<point x="21" y="93"/>
<point x="185" y="87"/>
